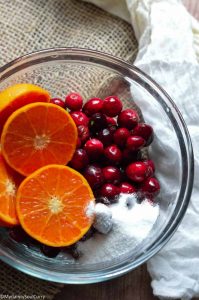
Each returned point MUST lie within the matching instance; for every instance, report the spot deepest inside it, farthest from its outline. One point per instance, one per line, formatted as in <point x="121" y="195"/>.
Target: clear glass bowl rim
<point x="116" y="64"/>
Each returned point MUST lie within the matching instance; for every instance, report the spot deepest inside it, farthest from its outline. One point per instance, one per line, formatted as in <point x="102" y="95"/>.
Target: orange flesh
<point x="17" y="96"/>
<point x="37" y="135"/>
<point x="54" y="205"/>
<point x="8" y="188"/>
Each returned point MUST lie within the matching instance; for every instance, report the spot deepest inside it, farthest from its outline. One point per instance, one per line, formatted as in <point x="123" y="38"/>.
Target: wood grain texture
<point x="132" y="286"/>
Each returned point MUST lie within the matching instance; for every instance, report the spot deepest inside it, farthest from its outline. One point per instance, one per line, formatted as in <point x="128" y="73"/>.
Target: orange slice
<point x="8" y="188"/>
<point x="36" y="135"/>
<point x="17" y="96"/>
<point x="55" y="205"/>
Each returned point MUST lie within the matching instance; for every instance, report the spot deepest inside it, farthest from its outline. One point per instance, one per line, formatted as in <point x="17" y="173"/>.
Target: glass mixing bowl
<point x="97" y="74"/>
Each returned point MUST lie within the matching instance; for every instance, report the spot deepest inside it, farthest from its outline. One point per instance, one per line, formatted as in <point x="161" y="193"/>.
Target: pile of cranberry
<point x="109" y="148"/>
<point x="108" y="154"/>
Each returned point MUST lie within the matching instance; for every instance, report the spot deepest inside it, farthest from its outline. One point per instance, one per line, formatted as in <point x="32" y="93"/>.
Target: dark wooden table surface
<point x="135" y="285"/>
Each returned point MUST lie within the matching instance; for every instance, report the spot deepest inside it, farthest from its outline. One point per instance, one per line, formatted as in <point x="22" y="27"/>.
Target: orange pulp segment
<point x="55" y="205"/>
<point x="8" y="189"/>
<point x="17" y="96"/>
<point x="36" y="135"/>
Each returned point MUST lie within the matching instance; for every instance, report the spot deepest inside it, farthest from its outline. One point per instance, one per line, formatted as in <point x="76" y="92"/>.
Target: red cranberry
<point x="150" y="163"/>
<point x="145" y="131"/>
<point x="97" y="122"/>
<point x="94" y="148"/>
<point x="112" y="128"/>
<point x="79" y="143"/>
<point x="138" y="171"/>
<point x="113" y="153"/>
<point x="111" y="121"/>
<point x="135" y="143"/>
<point x="151" y="186"/>
<point x="109" y="190"/>
<point x="105" y="136"/>
<point x="128" y="118"/>
<point x="79" y="160"/>
<point x="58" y="102"/>
<point x="127" y="188"/>
<point x="112" y="106"/>
<point x="120" y="136"/>
<point x="93" y="106"/>
<point x="83" y="133"/>
<point x="111" y="174"/>
<point x="129" y="156"/>
<point x="49" y="251"/>
<point x="79" y="118"/>
<point x="74" y="101"/>
<point x="94" y="176"/>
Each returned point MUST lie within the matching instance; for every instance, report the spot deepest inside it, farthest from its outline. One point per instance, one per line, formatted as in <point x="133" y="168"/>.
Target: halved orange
<point x="55" y="205"/>
<point x="17" y="96"/>
<point x="36" y="135"/>
<point x="8" y="190"/>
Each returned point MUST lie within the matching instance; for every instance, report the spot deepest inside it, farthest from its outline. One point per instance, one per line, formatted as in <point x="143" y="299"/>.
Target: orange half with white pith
<point x="55" y="205"/>
<point x="8" y="189"/>
<point x="36" y="135"/>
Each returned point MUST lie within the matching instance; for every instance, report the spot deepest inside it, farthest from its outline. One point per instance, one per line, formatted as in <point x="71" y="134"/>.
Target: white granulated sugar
<point x="131" y="225"/>
<point x="103" y="218"/>
<point x="90" y="209"/>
